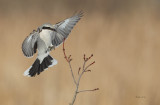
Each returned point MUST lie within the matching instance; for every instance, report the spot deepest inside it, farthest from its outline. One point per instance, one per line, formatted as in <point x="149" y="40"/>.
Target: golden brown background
<point x="123" y="35"/>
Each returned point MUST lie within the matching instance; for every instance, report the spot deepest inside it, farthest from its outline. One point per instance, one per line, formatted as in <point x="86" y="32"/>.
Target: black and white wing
<point x="63" y="28"/>
<point x="29" y="45"/>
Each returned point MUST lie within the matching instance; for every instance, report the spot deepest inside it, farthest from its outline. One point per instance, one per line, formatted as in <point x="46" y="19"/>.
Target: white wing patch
<point x="64" y="24"/>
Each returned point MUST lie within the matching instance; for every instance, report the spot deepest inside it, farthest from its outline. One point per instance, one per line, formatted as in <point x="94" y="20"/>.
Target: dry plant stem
<point x="88" y="90"/>
<point x="77" y="85"/>
<point x="85" y="91"/>
<point x="72" y="73"/>
<point x="69" y="62"/>
<point x="84" y="69"/>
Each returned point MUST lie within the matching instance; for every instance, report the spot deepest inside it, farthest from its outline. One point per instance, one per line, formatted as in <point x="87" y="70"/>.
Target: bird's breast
<point x="45" y="35"/>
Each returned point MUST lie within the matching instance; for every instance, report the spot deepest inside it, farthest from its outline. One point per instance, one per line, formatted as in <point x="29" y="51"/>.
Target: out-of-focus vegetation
<point x="123" y="35"/>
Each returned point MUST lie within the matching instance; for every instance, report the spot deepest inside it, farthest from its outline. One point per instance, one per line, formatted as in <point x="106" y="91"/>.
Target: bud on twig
<point x="69" y="57"/>
<point x="89" y="65"/>
<point x="90" y="56"/>
<point x="87" y="70"/>
<point x="70" y="60"/>
<point x="84" y="69"/>
<point x="84" y="57"/>
<point x="79" y="70"/>
<point x="92" y="63"/>
<point x="96" y="89"/>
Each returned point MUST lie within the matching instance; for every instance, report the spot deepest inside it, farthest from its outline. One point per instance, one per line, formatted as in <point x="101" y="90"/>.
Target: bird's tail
<point x="38" y="67"/>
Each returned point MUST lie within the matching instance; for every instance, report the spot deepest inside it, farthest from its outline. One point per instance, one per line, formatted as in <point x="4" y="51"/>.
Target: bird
<point x="43" y="40"/>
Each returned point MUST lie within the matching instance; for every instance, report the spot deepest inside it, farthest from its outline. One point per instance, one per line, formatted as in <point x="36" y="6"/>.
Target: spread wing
<point x="29" y="45"/>
<point x="63" y="28"/>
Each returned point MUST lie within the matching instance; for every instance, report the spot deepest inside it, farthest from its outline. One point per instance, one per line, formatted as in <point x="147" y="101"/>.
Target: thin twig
<point x="88" y="90"/>
<point x="89" y="65"/>
<point x="72" y="73"/>
<point x="77" y="86"/>
<point x="84" y="69"/>
<point x="79" y="70"/>
<point x="69" y="62"/>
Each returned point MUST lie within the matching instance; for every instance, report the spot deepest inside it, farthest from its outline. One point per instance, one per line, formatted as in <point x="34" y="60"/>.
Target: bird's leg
<point x="50" y="48"/>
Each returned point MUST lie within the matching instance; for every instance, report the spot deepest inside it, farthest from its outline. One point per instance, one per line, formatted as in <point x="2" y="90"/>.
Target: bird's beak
<point x="39" y="30"/>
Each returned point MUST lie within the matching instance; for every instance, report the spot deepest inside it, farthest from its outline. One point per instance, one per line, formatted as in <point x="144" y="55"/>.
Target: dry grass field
<point x="123" y="36"/>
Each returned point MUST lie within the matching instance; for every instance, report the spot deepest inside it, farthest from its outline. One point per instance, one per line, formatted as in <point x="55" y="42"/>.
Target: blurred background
<point x="123" y="35"/>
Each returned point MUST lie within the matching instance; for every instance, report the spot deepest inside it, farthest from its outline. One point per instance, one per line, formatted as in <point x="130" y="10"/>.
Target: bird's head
<point x="46" y="26"/>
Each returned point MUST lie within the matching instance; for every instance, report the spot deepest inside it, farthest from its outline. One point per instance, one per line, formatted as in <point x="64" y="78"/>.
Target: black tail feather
<point x="37" y="68"/>
<point x="34" y="68"/>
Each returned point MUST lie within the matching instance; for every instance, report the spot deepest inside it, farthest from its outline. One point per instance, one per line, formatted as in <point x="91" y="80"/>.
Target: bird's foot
<point x="50" y="48"/>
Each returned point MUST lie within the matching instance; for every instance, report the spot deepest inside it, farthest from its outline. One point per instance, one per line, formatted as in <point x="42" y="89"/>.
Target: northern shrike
<point x="44" y="39"/>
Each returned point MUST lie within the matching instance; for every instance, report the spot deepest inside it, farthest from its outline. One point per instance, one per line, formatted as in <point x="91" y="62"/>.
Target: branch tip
<point x="84" y="69"/>
<point x="70" y="60"/>
<point x="96" y="89"/>
<point x="69" y="57"/>
<point x="87" y="70"/>
<point x="93" y="62"/>
<point x="84" y="57"/>
<point x="88" y="90"/>
<point x="79" y="70"/>
<point x="90" y="56"/>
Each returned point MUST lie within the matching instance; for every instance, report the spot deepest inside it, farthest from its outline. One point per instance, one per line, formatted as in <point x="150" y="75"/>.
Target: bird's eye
<point x="49" y="28"/>
<point x="45" y="27"/>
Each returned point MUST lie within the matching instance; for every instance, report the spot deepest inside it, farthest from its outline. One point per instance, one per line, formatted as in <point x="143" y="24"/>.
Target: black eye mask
<point x="49" y="28"/>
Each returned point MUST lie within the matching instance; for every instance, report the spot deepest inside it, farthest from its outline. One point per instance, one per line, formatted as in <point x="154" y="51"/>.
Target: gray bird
<point x="44" y="39"/>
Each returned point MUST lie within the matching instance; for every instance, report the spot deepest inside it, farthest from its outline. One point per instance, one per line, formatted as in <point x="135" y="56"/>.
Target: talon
<point x="52" y="47"/>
